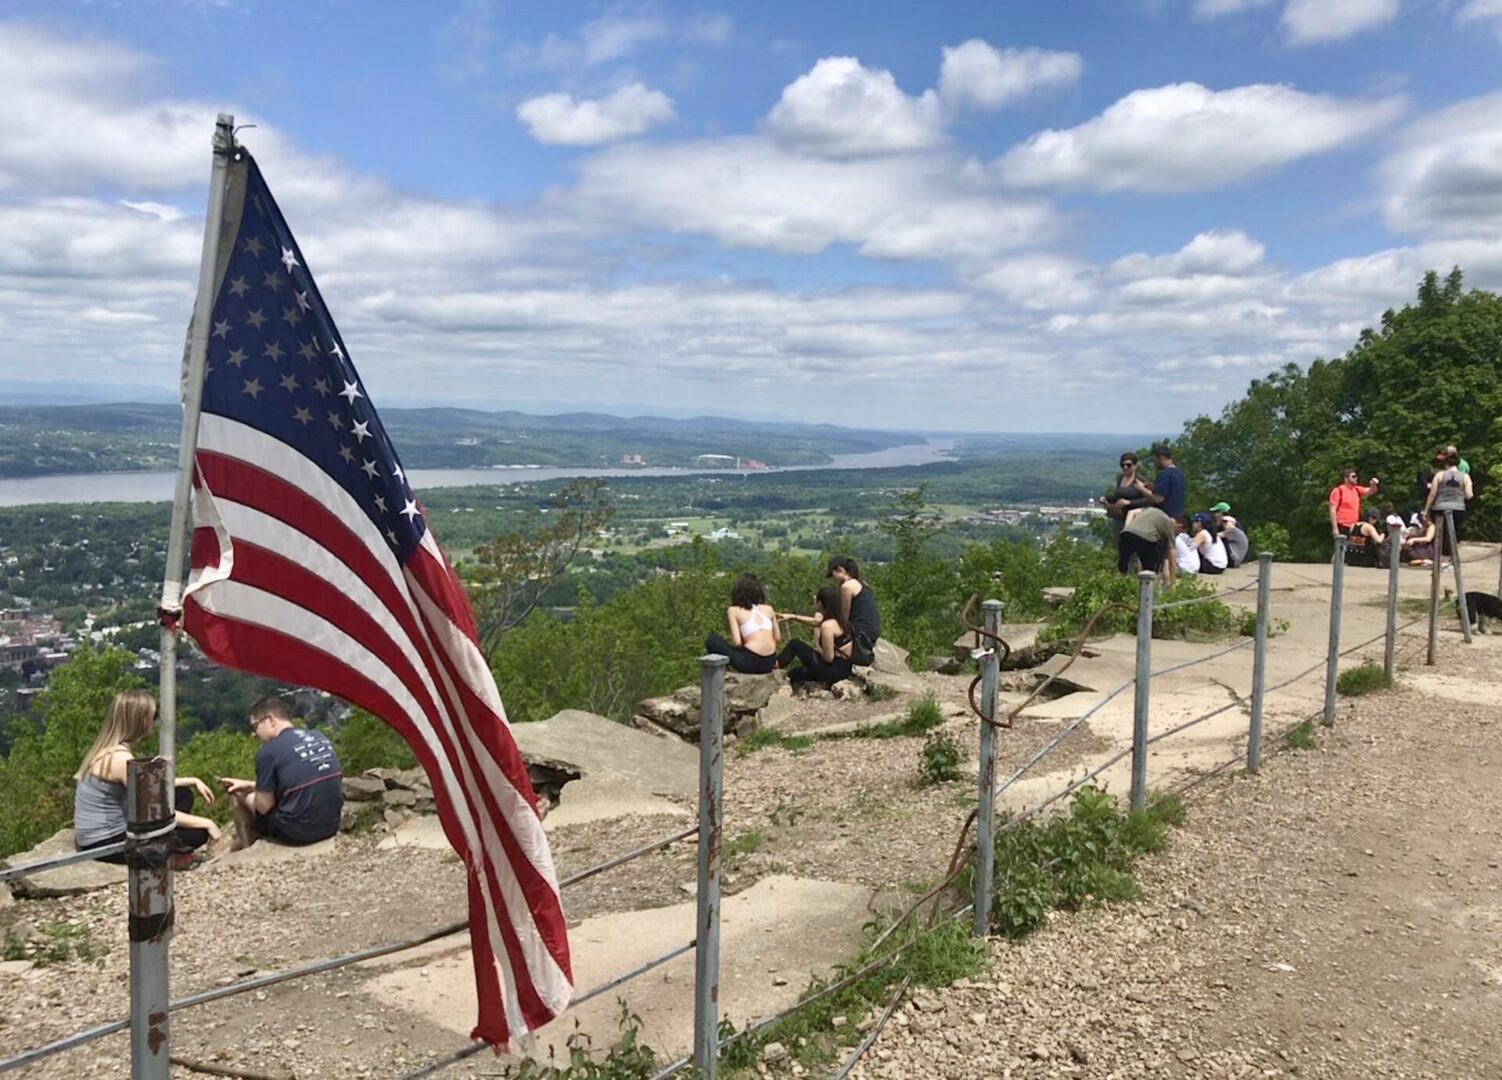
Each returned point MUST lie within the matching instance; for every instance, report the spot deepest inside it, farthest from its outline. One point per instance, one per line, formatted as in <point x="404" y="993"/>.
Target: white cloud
<point x="978" y="75"/>
<point x="751" y="192"/>
<point x="1214" y="9"/>
<point x="1040" y="281"/>
<point x="712" y="28"/>
<point x="1316" y="22"/>
<point x="561" y="119"/>
<point x="1217" y="251"/>
<point x="841" y="108"/>
<point x="1446" y="175"/>
<point x="600" y="41"/>
<point x="1185" y="137"/>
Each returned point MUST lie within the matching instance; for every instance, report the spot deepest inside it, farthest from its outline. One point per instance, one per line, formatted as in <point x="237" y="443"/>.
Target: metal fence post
<point x="1460" y="604"/>
<point x="150" y="822"/>
<point x="1144" y="679"/>
<point x="1434" y="574"/>
<point x="707" y="926"/>
<point x="1394" y="563"/>
<point x="1259" y="662"/>
<point x="985" y="820"/>
<point x="1332" y="662"/>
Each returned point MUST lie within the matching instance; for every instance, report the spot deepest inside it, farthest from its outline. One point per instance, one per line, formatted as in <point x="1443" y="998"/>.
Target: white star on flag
<point x="289" y="260"/>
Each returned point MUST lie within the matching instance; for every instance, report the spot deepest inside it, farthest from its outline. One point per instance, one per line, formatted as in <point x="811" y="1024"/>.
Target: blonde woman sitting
<point x="99" y="797"/>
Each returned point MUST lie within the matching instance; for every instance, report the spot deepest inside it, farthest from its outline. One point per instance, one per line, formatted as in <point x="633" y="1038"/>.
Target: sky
<point x="1102" y="215"/>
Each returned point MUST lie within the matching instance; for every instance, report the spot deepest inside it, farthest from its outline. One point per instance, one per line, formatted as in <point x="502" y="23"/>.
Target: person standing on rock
<point x="296" y="796"/>
<point x="1345" y="501"/>
<point x="857" y="608"/>
<point x="99" y="798"/>
<point x="752" y="648"/>
<point x="1449" y="493"/>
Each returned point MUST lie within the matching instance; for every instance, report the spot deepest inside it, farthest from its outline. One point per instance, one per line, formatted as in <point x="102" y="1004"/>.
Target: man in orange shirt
<point x="1345" y="501"/>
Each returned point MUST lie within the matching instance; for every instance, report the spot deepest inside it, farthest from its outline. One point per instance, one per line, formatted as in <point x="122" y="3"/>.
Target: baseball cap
<point x="1221" y="508"/>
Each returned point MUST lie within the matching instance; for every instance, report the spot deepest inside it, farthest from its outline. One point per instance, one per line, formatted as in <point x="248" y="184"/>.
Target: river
<point x="137" y="487"/>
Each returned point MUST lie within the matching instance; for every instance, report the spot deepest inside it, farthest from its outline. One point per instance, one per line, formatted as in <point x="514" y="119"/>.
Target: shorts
<point x="1444" y="532"/>
<point x="274" y="827"/>
<point x="1147" y="553"/>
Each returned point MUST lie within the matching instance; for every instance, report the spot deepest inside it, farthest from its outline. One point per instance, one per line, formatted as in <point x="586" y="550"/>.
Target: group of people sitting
<point x="1420" y="533"/>
<point x="845" y="622"/>
<point x="296" y="796"/>
<point x="1150" y="522"/>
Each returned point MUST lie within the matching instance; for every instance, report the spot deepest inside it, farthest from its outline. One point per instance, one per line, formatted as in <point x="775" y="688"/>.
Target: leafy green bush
<point x="1300" y="737"/>
<point x="939" y="760"/>
<point x="213" y="754"/>
<point x="364" y="742"/>
<point x="1074" y="860"/>
<point x="1204" y="621"/>
<point x="1270" y="538"/>
<point x="1366" y="678"/>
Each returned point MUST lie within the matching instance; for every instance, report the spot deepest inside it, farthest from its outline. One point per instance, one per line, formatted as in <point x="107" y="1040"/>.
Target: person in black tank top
<point x="858" y="608"/>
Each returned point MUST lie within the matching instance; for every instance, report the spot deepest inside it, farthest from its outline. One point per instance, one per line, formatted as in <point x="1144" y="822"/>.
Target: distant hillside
<point x="41" y="440"/>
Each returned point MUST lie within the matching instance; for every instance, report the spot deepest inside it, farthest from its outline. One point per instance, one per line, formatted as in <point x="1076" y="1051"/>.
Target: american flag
<point x="313" y="563"/>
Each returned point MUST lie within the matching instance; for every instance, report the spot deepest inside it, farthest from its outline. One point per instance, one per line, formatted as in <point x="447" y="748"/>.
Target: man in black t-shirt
<point x="296" y="796"/>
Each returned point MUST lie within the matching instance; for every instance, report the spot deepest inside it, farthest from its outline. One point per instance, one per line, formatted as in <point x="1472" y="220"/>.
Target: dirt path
<point x="1336" y="917"/>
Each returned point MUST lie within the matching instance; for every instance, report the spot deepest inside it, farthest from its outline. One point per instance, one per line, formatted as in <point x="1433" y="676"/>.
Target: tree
<point x="515" y="570"/>
<point x="1429" y="375"/>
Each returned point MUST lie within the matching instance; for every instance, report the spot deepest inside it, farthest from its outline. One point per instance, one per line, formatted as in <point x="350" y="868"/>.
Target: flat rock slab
<point x="65" y="880"/>
<point x="626" y="771"/>
<point x="782" y="929"/>
<point x="269" y="851"/>
<point x="1453" y="688"/>
<point x="416" y="832"/>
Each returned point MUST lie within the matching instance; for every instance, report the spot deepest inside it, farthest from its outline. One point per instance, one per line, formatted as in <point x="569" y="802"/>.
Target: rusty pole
<point x="149" y="826"/>
<point x="985" y="821"/>
<point x="707" y="925"/>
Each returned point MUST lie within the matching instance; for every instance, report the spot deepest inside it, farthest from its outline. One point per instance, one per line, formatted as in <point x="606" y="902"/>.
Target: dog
<point x="1481" y="607"/>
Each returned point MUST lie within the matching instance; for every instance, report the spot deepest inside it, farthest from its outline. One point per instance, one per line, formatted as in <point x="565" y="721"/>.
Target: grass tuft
<point x="1301" y="737"/>
<point x="1368" y="678"/>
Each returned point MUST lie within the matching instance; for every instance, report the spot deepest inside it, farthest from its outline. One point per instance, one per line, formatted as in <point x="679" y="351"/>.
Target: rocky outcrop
<point x="71" y="880"/>
<point x="393" y="795"/>
<point x="745" y="698"/>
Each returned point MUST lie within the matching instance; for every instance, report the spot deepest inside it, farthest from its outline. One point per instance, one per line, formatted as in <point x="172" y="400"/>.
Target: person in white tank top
<point x="752" y="644"/>
<point x="1212" y="550"/>
<point x="1185" y="556"/>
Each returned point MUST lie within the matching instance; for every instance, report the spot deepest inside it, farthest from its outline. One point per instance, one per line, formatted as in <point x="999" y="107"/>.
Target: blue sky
<point x="1018" y="216"/>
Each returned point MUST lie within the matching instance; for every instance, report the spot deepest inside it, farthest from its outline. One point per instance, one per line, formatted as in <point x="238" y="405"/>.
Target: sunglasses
<point x="1128" y="461"/>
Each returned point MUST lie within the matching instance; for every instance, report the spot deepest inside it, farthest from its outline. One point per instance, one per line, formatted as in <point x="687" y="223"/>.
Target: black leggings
<point x="741" y="659"/>
<point x="1147" y="552"/>
<point x="185" y="839"/>
<point x="811" y="666"/>
<point x="1444" y="531"/>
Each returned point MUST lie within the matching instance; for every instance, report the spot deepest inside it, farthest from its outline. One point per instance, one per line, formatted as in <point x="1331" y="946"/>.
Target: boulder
<point x="400" y="797"/>
<point x="889" y="658"/>
<point x="1056" y="596"/>
<point x="745" y="698"/>
<point x="548" y="775"/>
<point x="270" y="851"/>
<point x="363" y="788"/>
<point x="69" y="880"/>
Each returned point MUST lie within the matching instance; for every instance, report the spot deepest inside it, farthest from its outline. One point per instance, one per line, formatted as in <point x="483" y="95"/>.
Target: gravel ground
<point x="1330" y="918"/>
<point x="1337" y="916"/>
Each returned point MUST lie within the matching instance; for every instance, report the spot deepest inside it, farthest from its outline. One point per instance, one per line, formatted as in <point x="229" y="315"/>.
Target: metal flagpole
<point x="170" y="607"/>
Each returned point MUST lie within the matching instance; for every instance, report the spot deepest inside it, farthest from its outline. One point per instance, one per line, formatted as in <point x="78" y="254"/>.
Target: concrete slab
<point x="782" y="929"/>
<point x="1453" y="688"/>
<point x="65" y="880"/>
<point x="626" y="771"/>
<point x="267" y="852"/>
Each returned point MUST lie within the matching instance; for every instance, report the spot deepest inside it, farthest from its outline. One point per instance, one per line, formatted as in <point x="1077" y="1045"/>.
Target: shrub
<point x="1206" y="620"/>
<point x="939" y="760"/>
<point x="1272" y="539"/>
<point x="364" y="742"/>
<point x="1301" y="737"/>
<point x="1367" y="678"/>
<point x="212" y="754"/>
<point x="1075" y="860"/>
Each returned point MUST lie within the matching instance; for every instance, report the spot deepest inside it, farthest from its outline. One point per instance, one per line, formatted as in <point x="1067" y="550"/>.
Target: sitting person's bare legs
<point x="245" y="822"/>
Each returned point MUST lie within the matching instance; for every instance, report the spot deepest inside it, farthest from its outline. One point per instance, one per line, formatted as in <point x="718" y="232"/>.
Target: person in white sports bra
<point x="752" y="647"/>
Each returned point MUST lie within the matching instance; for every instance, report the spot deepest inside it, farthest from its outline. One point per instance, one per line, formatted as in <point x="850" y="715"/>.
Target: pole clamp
<point x="141" y="831"/>
<point x="150" y="927"/>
